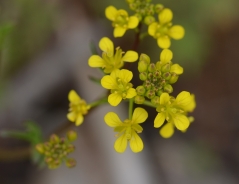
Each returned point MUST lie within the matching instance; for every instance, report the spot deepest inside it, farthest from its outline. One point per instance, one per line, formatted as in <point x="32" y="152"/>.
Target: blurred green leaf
<point x="33" y="135"/>
<point x="5" y="29"/>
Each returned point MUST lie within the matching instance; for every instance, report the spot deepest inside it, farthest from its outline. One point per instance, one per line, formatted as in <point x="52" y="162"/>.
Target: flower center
<point x="113" y="61"/>
<point x="123" y="87"/>
<point x="79" y="107"/>
<point x="121" y="20"/>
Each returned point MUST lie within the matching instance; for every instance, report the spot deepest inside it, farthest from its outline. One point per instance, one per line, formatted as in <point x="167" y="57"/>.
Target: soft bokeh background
<point x="45" y="55"/>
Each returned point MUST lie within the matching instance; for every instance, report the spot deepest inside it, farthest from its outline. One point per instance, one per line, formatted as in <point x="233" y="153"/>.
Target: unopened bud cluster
<point x="56" y="150"/>
<point x="145" y="10"/>
<point x="157" y="78"/>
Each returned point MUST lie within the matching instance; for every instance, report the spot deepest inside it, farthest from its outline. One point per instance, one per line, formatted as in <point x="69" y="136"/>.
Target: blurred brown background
<point x="45" y="55"/>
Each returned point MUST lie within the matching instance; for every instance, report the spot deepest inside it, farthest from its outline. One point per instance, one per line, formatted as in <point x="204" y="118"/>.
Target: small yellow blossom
<point x="121" y="20"/>
<point x="175" y="112"/>
<point x="78" y="108"/>
<point x="118" y="82"/>
<point x="163" y="30"/>
<point x="128" y="130"/>
<point x="110" y="61"/>
<point x="166" y="57"/>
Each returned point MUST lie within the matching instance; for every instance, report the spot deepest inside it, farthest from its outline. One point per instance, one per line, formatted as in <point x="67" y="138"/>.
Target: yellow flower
<point x="175" y="112"/>
<point x="118" y="82"/>
<point x="127" y="130"/>
<point x="166" y="57"/>
<point x="121" y="20"/>
<point x="110" y="61"/>
<point x="163" y="30"/>
<point x="78" y="108"/>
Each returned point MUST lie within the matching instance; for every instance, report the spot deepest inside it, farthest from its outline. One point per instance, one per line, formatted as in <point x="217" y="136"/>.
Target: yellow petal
<point x="107" y="46"/>
<point x="121" y="144"/>
<point x="176" y="32"/>
<point x="176" y="68"/>
<point x="164" y="42"/>
<point x="133" y="22"/>
<point x="130" y="56"/>
<point x="166" y="55"/>
<point x="159" y="120"/>
<point x="111" y="12"/>
<point x="167" y="130"/>
<point x="152" y="28"/>
<point x="136" y="143"/>
<point x="131" y="93"/>
<point x="119" y="31"/>
<point x="125" y="75"/>
<point x="96" y="61"/>
<point x="115" y="74"/>
<point x="191" y="106"/>
<point x="112" y="119"/>
<point x="108" y="82"/>
<point x="139" y="115"/>
<point x="79" y="120"/>
<point x="180" y="121"/>
<point x="165" y="16"/>
<point x="164" y="99"/>
<point x="184" y="99"/>
<point x="71" y="116"/>
<point x="73" y="96"/>
<point x="114" y="99"/>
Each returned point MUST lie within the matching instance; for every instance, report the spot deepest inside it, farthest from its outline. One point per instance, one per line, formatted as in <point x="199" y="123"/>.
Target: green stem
<point x="148" y="103"/>
<point x="131" y="105"/>
<point x="99" y="102"/>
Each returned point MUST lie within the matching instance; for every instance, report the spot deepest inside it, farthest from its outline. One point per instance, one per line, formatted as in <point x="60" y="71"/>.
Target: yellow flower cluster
<point x="157" y="78"/>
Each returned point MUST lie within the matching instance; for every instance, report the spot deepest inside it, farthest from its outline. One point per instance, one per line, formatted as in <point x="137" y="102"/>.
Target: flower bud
<point x="138" y="15"/>
<point x="71" y="136"/>
<point x="144" y="57"/>
<point x="152" y="67"/>
<point x="167" y="75"/>
<point x="168" y="88"/>
<point x="159" y="92"/>
<point x="143" y="76"/>
<point x="142" y="66"/>
<point x="70" y="162"/>
<point x="174" y="78"/>
<point x="54" y="139"/>
<point x="149" y="20"/>
<point x="150" y="94"/>
<point x="150" y="75"/>
<point x="139" y="99"/>
<point x="40" y="148"/>
<point x="140" y="90"/>
<point x="155" y="100"/>
<point x="158" y="8"/>
<point x="165" y="68"/>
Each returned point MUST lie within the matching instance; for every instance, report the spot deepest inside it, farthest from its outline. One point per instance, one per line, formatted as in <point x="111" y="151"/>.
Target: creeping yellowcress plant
<point x="156" y="79"/>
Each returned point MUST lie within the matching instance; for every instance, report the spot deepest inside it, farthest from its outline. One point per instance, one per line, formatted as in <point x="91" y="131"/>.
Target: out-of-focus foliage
<point x="33" y="24"/>
<point x="33" y="135"/>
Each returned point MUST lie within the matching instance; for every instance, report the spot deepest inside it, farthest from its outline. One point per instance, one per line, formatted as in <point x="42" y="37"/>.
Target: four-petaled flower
<point x="163" y="30"/>
<point x="166" y="57"/>
<point x="110" y="61"/>
<point x="78" y="108"/>
<point x="127" y="130"/>
<point x="118" y="82"/>
<point x="121" y="20"/>
<point x="175" y="112"/>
